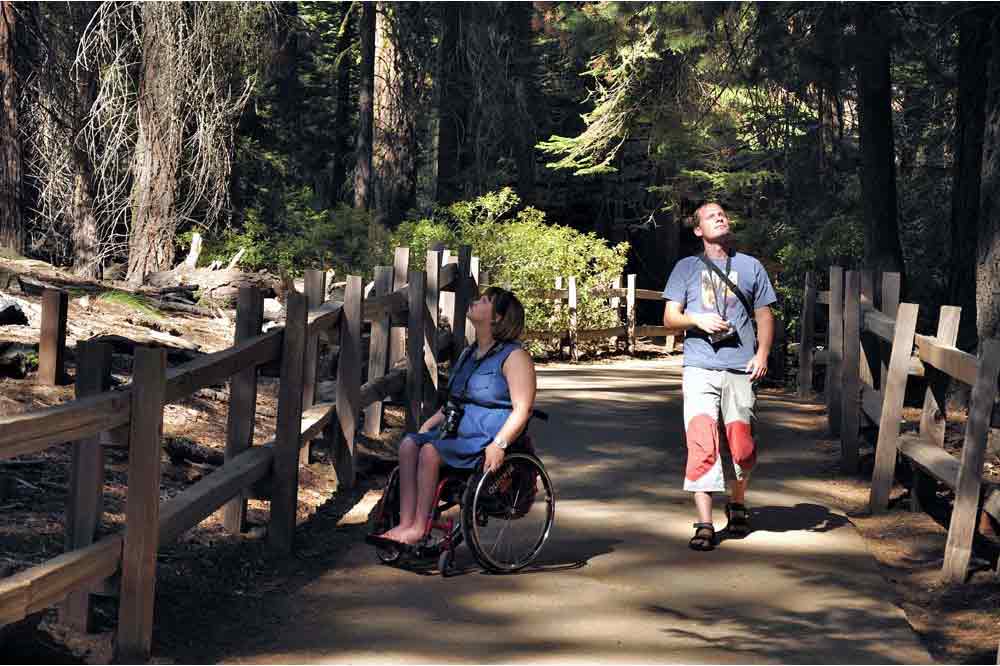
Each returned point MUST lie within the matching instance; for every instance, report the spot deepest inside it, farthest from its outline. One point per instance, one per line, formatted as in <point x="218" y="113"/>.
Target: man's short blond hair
<point x="695" y="218"/>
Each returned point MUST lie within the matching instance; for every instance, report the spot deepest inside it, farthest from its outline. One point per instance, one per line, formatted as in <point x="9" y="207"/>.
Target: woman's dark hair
<point x="510" y="311"/>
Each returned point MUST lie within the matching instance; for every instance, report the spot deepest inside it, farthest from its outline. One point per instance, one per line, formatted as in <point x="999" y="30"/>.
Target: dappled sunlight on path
<point x="617" y="582"/>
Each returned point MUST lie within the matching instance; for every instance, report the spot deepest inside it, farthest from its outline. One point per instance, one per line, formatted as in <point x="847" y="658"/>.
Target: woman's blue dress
<point x="483" y="383"/>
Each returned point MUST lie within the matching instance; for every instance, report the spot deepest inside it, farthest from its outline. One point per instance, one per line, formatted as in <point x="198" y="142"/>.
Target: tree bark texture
<point x="970" y="118"/>
<point x="523" y="91"/>
<point x="366" y="108"/>
<point x="343" y="116"/>
<point x="158" y="151"/>
<point x="395" y="136"/>
<point x="85" y="234"/>
<point x="988" y="254"/>
<point x="453" y="101"/>
<point x="11" y="165"/>
<point x="878" y="170"/>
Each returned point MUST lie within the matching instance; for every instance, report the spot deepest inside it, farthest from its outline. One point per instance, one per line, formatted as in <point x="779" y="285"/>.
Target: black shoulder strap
<point x="729" y="283"/>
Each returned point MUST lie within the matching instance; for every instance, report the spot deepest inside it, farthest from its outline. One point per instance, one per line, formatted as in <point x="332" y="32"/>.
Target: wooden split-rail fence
<point x="872" y="349"/>
<point x="407" y="343"/>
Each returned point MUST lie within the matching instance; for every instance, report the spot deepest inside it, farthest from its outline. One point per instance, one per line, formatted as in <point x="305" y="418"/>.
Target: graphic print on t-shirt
<point x="712" y="284"/>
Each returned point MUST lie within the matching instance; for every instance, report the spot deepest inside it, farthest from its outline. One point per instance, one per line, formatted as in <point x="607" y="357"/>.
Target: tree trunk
<point x="343" y="116"/>
<point x="85" y="234"/>
<point x="970" y="116"/>
<point x="11" y="168"/>
<point x="366" y="108"/>
<point x="158" y="151"/>
<point x="453" y="101"/>
<point x="988" y="255"/>
<point x="395" y="137"/>
<point x="878" y="170"/>
<point x="523" y="86"/>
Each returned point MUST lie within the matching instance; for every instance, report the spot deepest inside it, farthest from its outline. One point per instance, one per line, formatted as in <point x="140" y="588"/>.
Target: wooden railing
<point x="872" y="352"/>
<point x="618" y="296"/>
<point x="134" y="416"/>
<point x="405" y="347"/>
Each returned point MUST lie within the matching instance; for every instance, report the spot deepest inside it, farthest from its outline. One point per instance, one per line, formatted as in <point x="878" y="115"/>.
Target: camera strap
<point x="729" y="283"/>
<point x="470" y="351"/>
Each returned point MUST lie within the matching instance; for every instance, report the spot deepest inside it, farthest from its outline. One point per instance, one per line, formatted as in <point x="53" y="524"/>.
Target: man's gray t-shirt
<point x="694" y="286"/>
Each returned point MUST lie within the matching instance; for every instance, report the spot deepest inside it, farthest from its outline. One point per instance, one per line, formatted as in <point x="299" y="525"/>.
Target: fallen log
<point x="178" y="349"/>
<point x="182" y="450"/>
<point x="218" y="285"/>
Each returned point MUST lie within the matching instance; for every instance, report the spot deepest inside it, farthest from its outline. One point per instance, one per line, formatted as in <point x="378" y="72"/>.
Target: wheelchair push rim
<point x="507" y="515"/>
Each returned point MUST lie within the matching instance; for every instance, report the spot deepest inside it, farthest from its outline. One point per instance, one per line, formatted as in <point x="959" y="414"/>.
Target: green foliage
<point x="135" y="302"/>
<point x="519" y="250"/>
<point x="301" y="237"/>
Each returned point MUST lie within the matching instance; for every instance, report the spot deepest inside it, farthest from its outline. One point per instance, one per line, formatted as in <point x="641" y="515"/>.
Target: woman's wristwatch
<point x="501" y="443"/>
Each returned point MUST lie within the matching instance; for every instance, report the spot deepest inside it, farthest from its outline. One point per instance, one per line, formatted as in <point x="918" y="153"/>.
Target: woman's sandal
<point x="704" y="537"/>
<point x="739" y="519"/>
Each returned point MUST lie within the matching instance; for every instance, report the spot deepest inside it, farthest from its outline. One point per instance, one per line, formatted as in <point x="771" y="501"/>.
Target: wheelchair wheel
<point x="385" y="516"/>
<point x="507" y="514"/>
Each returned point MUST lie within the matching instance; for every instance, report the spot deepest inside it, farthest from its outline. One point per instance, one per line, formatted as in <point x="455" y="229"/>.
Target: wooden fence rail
<point x="873" y="349"/>
<point x="404" y="305"/>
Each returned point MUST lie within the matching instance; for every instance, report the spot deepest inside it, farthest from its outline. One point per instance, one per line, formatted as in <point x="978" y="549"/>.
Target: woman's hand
<point x="494" y="457"/>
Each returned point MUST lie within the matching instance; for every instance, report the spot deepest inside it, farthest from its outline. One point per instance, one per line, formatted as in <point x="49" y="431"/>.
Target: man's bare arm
<point x="675" y="317"/>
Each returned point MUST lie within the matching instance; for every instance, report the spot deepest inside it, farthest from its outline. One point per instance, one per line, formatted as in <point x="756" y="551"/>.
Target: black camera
<point x="453" y="412"/>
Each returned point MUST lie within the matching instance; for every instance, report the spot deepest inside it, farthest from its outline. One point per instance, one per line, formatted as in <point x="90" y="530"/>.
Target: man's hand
<point x="757" y="367"/>
<point x="494" y="458"/>
<point x="710" y="322"/>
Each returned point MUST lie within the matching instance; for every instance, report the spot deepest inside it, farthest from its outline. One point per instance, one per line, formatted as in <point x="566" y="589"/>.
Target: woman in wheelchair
<point x="491" y="396"/>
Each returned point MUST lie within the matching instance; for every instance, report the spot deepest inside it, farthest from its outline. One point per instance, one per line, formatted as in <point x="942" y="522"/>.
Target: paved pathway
<point x="617" y="583"/>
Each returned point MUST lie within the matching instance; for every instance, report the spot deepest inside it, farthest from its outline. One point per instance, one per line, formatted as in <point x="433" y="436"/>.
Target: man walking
<point x="713" y="296"/>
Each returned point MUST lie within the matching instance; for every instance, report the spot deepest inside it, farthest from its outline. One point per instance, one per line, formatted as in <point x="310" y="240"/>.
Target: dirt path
<point x="616" y="581"/>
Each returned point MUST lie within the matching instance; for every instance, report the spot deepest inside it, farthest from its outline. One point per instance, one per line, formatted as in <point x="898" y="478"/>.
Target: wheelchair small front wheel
<point x="385" y="516"/>
<point x="507" y="514"/>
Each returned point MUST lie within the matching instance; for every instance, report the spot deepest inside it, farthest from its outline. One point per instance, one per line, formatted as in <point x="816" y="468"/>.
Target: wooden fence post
<point x="574" y="353"/>
<point x="242" y="400"/>
<point x="52" y="343"/>
<point x="888" y="306"/>
<point x="397" y="335"/>
<point x="833" y="383"/>
<point x="348" y="383"/>
<point x="86" y="478"/>
<point x="415" y="350"/>
<point x="806" y="327"/>
<point x="315" y="293"/>
<point x="932" y="416"/>
<point x="142" y="507"/>
<point x="470" y="330"/>
<point x="285" y="477"/>
<point x="557" y="310"/>
<point x="615" y="302"/>
<point x="893" y="391"/>
<point x="463" y="296"/>
<point x="432" y="301"/>
<point x="851" y="396"/>
<point x="965" y="510"/>
<point x="378" y="351"/>
<point x="446" y="299"/>
<point x="870" y="365"/>
<point x="630" y="314"/>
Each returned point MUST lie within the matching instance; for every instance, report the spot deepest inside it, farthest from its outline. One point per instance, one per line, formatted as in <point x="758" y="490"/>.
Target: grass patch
<point x="133" y="301"/>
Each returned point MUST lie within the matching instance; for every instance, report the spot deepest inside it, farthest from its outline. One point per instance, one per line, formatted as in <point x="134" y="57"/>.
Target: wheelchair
<point x="504" y="516"/>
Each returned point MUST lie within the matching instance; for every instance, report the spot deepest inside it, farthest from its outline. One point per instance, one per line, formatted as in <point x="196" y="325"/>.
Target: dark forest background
<point x="317" y="134"/>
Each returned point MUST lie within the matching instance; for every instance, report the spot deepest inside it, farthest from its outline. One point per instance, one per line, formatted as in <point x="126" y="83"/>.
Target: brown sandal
<point x="704" y="537"/>
<point x="739" y="519"/>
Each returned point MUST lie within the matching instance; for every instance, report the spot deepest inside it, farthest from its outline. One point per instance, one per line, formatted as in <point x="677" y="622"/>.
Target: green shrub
<point x="136" y="302"/>
<point x="298" y="238"/>
<point x="516" y="248"/>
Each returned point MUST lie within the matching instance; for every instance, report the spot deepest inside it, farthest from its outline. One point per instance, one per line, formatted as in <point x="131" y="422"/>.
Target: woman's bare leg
<point x="428" y="472"/>
<point x="408" y="457"/>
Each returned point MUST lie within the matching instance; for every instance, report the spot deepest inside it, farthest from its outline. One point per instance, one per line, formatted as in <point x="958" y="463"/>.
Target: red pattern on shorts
<point x="703" y="446"/>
